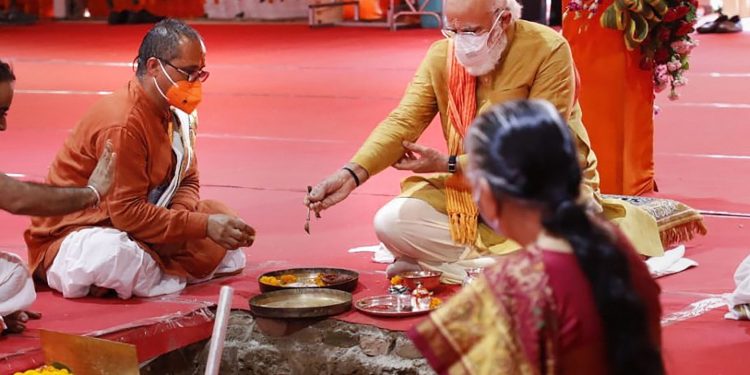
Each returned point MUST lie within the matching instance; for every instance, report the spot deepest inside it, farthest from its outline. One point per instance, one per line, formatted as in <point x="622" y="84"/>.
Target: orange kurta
<point x="617" y="101"/>
<point x="176" y="237"/>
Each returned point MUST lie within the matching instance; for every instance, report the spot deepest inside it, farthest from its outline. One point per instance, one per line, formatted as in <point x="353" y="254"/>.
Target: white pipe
<point x="220" y="331"/>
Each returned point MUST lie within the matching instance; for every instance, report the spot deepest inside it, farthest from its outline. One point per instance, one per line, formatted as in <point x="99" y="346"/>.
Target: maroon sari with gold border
<point x="507" y="322"/>
<point x="502" y="323"/>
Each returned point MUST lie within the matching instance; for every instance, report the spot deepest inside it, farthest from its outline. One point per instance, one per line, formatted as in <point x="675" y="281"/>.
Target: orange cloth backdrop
<point x="171" y="8"/>
<point x="370" y="9"/>
<point x="617" y="100"/>
<point x="42" y="8"/>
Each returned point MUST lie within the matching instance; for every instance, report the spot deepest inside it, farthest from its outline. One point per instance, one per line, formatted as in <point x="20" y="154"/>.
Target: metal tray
<point x="306" y="279"/>
<point x="388" y="306"/>
<point x="301" y="303"/>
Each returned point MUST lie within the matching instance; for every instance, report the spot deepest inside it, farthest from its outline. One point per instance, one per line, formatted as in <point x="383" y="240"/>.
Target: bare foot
<point x="99" y="292"/>
<point x="227" y="274"/>
<point x="16" y="322"/>
<point x="402" y="265"/>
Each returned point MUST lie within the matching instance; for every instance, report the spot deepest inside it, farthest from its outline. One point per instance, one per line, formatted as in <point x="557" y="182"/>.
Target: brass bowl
<point x="430" y="279"/>
<point x="301" y="303"/>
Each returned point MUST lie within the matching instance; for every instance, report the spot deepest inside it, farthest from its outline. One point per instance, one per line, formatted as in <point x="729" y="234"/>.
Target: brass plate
<point x="389" y="306"/>
<point x="301" y="303"/>
<point x="306" y="279"/>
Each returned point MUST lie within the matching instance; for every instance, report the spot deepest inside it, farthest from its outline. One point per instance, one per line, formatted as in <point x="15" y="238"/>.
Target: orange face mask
<point x="182" y="95"/>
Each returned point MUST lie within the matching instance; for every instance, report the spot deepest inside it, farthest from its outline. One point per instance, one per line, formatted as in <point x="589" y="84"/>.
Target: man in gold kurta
<point x="152" y="235"/>
<point x="511" y="59"/>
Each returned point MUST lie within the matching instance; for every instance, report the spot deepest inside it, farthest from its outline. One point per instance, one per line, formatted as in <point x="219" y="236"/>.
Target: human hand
<point x="230" y="232"/>
<point x="331" y="191"/>
<point x="103" y="176"/>
<point x="422" y="159"/>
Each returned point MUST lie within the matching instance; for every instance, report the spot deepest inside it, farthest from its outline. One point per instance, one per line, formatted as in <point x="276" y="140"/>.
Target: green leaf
<point x="60" y="366"/>
<point x="609" y="18"/>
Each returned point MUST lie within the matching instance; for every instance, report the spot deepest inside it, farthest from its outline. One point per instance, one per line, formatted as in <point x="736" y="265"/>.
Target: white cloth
<point x="380" y="254"/>
<point x="741" y="294"/>
<point x="108" y="258"/>
<point x="16" y="286"/>
<point x="182" y="147"/>
<point x="736" y="7"/>
<point x="673" y="261"/>
<point x="415" y="232"/>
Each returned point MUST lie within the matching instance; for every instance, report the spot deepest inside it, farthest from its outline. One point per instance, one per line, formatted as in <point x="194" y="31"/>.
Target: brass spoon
<point x="307" y="221"/>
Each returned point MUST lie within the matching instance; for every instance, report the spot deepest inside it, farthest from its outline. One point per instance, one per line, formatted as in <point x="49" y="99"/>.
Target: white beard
<point x="493" y="58"/>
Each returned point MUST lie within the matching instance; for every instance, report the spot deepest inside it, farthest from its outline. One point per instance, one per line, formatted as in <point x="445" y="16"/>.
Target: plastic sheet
<point x="694" y="310"/>
<point x="164" y="323"/>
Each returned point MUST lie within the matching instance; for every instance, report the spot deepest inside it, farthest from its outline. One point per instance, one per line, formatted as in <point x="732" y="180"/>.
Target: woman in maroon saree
<point x="578" y="300"/>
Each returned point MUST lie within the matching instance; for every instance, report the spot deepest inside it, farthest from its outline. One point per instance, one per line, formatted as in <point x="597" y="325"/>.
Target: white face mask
<point x="477" y="53"/>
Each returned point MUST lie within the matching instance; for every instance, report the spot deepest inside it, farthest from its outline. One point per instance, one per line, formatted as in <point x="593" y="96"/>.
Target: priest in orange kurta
<point x="153" y="234"/>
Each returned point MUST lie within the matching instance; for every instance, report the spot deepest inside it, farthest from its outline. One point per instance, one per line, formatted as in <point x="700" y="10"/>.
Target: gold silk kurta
<point x="537" y="64"/>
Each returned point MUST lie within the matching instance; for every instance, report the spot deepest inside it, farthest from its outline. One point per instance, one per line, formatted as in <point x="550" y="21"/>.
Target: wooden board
<point x="89" y="356"/>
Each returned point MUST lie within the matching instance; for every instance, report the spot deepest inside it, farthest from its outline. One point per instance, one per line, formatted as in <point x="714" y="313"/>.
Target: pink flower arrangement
<point x="668" y="27"/>
<point x="683" y="47"/>
<point x="673" y="66"/>
<point x="669" y="44"/>
<point x="579" y="6"/>
<point x="662" y="78"/>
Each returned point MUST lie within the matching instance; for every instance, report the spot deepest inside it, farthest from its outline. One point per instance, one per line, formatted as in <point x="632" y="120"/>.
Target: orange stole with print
<point x="462" y="109"/>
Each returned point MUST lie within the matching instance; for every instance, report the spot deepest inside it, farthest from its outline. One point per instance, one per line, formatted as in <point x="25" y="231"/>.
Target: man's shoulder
<point x="437" y="53"/>
<point x="537" y="36"/>
<point x="116" y="110"/>
<point x="439" y="46"/>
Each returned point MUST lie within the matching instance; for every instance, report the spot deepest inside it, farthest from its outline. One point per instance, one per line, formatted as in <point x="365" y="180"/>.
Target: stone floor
<point x="301" y="347"/>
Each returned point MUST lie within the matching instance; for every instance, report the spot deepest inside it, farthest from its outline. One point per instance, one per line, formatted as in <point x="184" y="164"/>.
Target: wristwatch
<point x="452" y="164"/>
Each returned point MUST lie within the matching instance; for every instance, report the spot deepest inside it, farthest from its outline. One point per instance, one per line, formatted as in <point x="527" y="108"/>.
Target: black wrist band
<point x="354" y="175"/>
<point x="452" y="162"/>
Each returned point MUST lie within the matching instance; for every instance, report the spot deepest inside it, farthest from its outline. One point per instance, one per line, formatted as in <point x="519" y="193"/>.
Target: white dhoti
<point x="417" y="233"/>
<point x="739" y="300"/>
<point x="108" y="258"/>
<point x="16" y="286"/>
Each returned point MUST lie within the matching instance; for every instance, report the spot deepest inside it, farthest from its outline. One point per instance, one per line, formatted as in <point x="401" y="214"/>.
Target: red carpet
<point x="285" y="106"/>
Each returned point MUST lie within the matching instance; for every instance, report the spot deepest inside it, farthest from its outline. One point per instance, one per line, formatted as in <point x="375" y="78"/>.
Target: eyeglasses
<point x="449" y="34"/>
<point x="199" y="75"/>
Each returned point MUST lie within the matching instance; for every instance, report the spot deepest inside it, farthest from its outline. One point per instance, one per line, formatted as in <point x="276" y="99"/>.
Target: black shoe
<point x="18" y="18"/>
<point x="711" y="27"/>
<point x="143" y="16"/>
<point x="117" y="18"/>
<point x="730" y="26"/>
